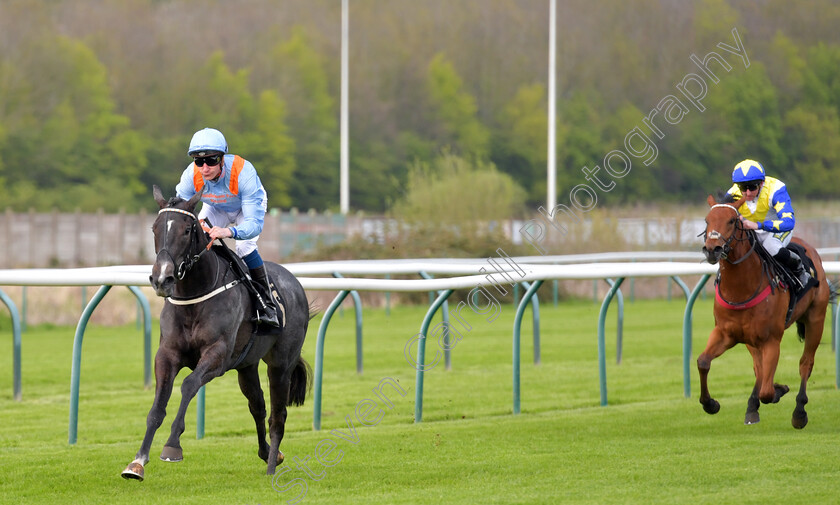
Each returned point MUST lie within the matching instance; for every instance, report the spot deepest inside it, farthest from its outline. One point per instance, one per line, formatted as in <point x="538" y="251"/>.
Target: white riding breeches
<point x="222" y="219"/>
<point x="773" y="242"/>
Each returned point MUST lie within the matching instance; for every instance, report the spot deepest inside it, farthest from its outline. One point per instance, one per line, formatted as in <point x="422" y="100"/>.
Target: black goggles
<point x="210" y="160"/>
<point x="749" y="186"/>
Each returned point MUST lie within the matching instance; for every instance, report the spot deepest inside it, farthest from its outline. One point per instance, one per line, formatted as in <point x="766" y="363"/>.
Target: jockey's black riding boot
<point x="267" y="310"/>
<point x="792" y="260"/>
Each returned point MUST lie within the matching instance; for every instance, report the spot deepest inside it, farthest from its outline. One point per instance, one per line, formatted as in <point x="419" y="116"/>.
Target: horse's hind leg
<point x="279" y="379"/>
<point x="813" y="335"/>
<point x="249" y="384"/>
<point x="718" y="343"/>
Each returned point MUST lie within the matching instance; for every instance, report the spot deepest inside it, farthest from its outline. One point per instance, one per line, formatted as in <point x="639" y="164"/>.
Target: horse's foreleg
<point x="768" y="391"/>
<point x="279" y="381"/>
<point x="249" y="384"/>
<point x="165" y="371"/>
<point x="718" y="343"/>
<point x="210" y="365"/>
<point x="752" y="417"/>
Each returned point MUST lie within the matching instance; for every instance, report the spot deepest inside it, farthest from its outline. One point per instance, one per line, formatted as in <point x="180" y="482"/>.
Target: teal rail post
<point x="619" y="335"/>
<point x="319" y="357"/>
<point x="602" y="347"/>
<point x="447" y="353"/>
<point x="689" y="306"/>
<point x="16" y="344"/>
<point x="199" y="414"/>
<point x="421" y="354"/>
<point x="24" y="307"/>
<point x="77" y="361"/>
<point x="535" y="317"/>
<point x="357" y="305"/>
<point x="837" y="353"/>
<point x="517" y="323"/>
<point x="682" y="286"/>
<point x="143" y="302"/>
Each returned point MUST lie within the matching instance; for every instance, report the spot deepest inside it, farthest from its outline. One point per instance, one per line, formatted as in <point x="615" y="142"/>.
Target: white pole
<point x="551" y="198"/>
<point x="344" y="181"/>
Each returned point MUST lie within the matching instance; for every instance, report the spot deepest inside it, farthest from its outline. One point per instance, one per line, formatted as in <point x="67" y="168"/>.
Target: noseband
<point x="191" y="258"/>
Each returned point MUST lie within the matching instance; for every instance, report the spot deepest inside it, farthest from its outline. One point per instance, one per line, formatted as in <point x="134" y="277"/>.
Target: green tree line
<point x="98" y="98"/>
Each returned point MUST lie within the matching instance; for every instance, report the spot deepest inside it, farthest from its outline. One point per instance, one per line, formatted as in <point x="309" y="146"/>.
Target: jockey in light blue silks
<point x="234" y="201"/>
<point x="769" y="212"/>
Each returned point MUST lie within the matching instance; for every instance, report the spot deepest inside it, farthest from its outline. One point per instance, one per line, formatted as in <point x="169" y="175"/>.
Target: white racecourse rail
<point x="463" y="273"/>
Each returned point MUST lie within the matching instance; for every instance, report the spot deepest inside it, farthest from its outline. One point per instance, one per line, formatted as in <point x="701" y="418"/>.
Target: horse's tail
<point x="800" y="331"/>
<point x="833" y="291"/>
<point x="314" y="309"/>
<point x="833" y="294"/>
<point x="301" y="382"/>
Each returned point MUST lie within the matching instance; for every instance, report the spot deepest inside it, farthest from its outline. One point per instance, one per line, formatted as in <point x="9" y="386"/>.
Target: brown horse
<point x="749" y="311"/>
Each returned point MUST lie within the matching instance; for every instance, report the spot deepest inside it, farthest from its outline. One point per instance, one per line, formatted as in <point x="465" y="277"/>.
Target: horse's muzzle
<point x="163" y="277"/>
<point x="163" y="286"/>
<point x="713" y="255"/>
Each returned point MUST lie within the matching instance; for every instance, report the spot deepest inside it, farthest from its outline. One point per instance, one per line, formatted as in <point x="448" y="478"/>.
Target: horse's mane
<point x="174" y="201"/>
<point x="723" y="197"/>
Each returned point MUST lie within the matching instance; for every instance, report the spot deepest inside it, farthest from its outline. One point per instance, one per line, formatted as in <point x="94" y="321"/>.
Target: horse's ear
<point x="194" y="200"/>
<point x="158" y="196"/>
<point x="711" y="201"/>
<point x="740" y="202"/>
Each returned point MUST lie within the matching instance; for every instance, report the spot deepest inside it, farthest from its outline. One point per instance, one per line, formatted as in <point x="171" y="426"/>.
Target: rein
<point x="191" y="260"/>
<point x="188" y="263"/>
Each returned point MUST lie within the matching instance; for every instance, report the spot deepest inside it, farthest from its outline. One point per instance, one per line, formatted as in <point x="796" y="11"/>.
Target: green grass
<point x="650" y="445"/>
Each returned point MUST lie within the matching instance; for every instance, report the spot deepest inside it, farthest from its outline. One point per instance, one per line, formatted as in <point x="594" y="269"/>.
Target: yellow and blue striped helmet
<point x="748" y="170"/>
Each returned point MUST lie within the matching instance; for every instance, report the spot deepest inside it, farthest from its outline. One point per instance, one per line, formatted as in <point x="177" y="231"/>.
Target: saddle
<point x="783" y="277"/>
<point x="241" y="270"/>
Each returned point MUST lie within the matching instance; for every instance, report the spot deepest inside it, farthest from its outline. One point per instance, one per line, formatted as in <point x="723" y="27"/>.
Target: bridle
<point x="716" y="235"/>
<point x="190" y="258"/>
<point x="759" y="294"/>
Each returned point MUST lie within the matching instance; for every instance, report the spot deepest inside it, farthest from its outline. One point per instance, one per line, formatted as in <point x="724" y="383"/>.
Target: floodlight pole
<point x="551" y="197"/>
<point x="344" y="181"/>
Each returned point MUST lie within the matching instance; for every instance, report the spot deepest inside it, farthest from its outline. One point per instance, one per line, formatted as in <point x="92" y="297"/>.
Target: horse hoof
<point x="799" y="421"/>
<point x="171" y="454"/>
<point x="280" y="457"/>
<point x="711" y="407"/>
<point x="751" y="418"/>
<point x="781" y="390"/>
<point x="134" y="471"/>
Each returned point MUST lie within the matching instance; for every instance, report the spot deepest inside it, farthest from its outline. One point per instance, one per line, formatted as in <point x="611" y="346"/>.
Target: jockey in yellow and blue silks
<point x="234" y="200"/>
<point x="769" y="212"/>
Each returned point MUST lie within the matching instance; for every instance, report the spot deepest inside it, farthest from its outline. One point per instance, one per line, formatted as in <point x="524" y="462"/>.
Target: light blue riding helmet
<point x="207" y="142"/>
<point x="748" y="170"/>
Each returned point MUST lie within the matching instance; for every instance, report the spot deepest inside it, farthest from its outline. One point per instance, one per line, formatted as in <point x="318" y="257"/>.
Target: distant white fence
<point x="71" y="240"/>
